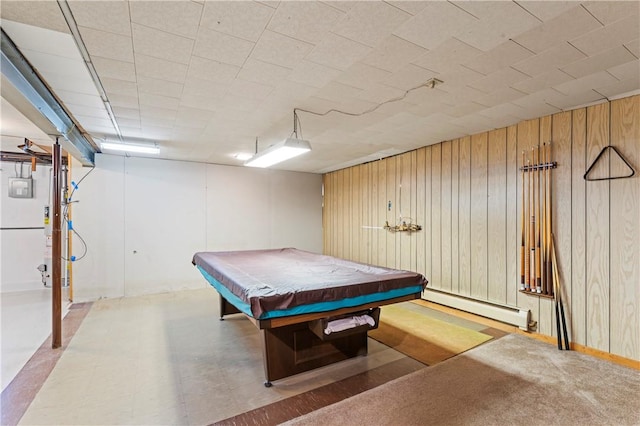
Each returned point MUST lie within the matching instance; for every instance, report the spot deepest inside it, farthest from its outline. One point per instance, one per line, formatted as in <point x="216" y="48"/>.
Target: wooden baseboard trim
<point x="616" y="359"/>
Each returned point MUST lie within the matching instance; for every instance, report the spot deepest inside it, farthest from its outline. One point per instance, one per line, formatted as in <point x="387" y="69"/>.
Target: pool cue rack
<point x="536" y="268"/>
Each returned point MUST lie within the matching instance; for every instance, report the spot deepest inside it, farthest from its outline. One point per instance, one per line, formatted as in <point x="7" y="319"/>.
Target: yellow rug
<point x="422" y="337"/>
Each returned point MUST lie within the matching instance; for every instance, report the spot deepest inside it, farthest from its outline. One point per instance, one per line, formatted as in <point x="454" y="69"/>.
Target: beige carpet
<point x="513" y="380"/>
<point x="422" y="337"/>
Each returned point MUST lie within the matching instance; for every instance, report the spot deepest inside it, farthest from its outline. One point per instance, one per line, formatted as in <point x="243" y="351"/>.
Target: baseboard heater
<point x="506" y="314"/>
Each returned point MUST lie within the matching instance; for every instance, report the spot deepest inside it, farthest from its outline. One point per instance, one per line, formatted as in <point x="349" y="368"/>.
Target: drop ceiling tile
<point x="452" y="95"/>
<point x="306" y="21"/>
<point x="337" y="52"/>
<point x="148" y="99"/>
<point x="436" y="23"/>
<point x="458" y="76"/>
<point x="426" y="109"/>
<point x="153" y="112"/>
<point x="112" y="68"/>
<point x="608" y="12"/>
<point x="369" y="23"/>
<point x="206" y="69"/>
<point x="542" y="81"/>
<point x="499" y="80"/>
<point x="505" y="110"/>
<point x="86" y="111"/>
<point x="556" y="57"/>
<point x="249" y="90"/>
<point x="500" y="96"/>
<point x="90" y="123"/>
<point x="628" y="70"/>
<point x="393" y="53"/>
<point x="362" y="76"/>
<point x="337" y="92"/>
<point x="546" y="10"/>
<point x="158" y="133"/>
<point x="600" y="62"/>
<point x="291" y="91"/>
<point x="498" y="22"/>
<point x="159" y="44"/>
<point x="81" y="99"/>
<point x="149" y="122"/>
<point x="62" y="82"/>
<point x="409" y="77"/>
<point x="281" y="50"/>
<point x="317" y="105"/>
<point x="572" y="101"/>
<point x="48" y="64"/>
<point x="107" y="45"/>
<point x="160" y="69"/>
<point x="200" y="102"/>
<point x="634" y="47"/>
<point x="464" y="109"/>
<point x="186" y="113"/>
<point x="501" y="56"/>
<point x="243" y="19"/>
<point x="262" y="72"/>
<point x="204" y="88"/>
<point x="239" y="103"/>
<point x="447" y="56"/>
<point x="124" y="100"/>
<point x="537" y="104"/>
<point x="115" y="86"/>
<point x="412" y="7"/>
<point x="609" y="37"/>
<point x="183" y="125"/>
<point x="344" y="6"/>
<point x="569" y="25"/>
<point x="222" y="47"/>
<point x="108" y="16"/>
<point x="131" y="132"/>
<point x="472" y="124"/>
<point x="584" y="84"/>
<point x="47" y="15"/>
<point x="380" y="93"/>
<point x="629" y="85"/>
<point x="128" y="122"/>
<point x="159" y="87"/>
<point x="131" y="113"/>
<point x="181" y="18"/>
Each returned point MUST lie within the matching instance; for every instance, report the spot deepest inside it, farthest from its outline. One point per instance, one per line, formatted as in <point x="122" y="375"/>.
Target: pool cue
<point x="522" y="232"/>
<point x="558" y="296"/>
<point x="536" y="190"/>
<point x="550" y="261"/>
<point x="545" y="240"/>
<point x="532" y="228"/>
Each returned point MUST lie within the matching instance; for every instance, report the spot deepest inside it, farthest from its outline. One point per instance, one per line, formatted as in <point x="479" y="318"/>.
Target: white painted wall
<point x="143" y="219"/>
<point x="21" y="251"/>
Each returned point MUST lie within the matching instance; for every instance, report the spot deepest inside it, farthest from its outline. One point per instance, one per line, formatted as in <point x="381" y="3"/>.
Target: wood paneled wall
<point x="466" y="193"/>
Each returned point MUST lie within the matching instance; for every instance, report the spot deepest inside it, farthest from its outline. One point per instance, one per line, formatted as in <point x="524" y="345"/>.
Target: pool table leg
<point x="227" y="308"/>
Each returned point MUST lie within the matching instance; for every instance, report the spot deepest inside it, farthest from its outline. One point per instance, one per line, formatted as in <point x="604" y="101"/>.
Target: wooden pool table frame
<point x="289" y="346"/>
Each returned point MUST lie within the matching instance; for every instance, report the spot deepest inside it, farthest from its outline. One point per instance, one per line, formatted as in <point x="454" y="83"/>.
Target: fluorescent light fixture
<point x="127" y="147"/>
<point x="279" y="152"/>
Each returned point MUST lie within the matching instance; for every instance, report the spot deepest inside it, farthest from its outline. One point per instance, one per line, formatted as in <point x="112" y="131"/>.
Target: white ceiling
<point x="205" y="79"/>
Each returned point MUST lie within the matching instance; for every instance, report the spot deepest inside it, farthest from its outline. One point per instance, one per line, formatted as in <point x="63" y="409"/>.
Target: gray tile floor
<point x="168" y="359"/>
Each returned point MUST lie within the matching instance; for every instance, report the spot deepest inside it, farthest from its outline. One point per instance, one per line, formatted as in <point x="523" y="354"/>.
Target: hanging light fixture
<point x="285" y="150"/>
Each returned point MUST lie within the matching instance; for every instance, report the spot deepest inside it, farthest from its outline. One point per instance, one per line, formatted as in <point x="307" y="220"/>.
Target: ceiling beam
<point x="24" y="77"/>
